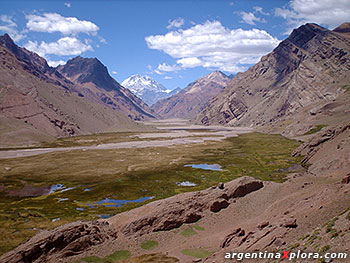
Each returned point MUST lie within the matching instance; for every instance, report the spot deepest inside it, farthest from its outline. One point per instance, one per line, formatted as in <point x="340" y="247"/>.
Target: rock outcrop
<point x="64" y="241"/>
<point x="327" y="150"/>
<point x="185" y="208"/>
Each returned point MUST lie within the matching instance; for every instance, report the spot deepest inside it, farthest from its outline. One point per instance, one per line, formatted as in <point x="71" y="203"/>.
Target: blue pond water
<point x="59" y="188"/>
<point x="108" y="202"/>
<point x="205" y="166"/>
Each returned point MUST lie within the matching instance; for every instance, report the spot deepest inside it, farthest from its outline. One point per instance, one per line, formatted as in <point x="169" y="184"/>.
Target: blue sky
<point x="174" y="42"/>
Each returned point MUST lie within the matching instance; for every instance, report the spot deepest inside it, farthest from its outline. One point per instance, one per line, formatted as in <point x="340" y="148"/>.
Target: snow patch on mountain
<point x="148" y="89"/>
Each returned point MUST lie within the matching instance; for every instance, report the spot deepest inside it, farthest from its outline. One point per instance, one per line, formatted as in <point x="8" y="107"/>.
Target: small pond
<point x="108" y="202"/>
<point x="205" y="166"/>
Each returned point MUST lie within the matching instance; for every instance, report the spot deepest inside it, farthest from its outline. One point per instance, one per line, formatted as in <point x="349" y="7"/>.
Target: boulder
<point x="185" y="208"/>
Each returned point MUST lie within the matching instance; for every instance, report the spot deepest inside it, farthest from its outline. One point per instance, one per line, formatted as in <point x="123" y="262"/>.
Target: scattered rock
<point x="263" y="225"/>
<point x="241" y="233"/>
<point x="346" y="180"/>
<point x="216" y="206"/>
<point x="289" y="223"/>
<point x="221" y="185"/>
<point x="236" y="233"/>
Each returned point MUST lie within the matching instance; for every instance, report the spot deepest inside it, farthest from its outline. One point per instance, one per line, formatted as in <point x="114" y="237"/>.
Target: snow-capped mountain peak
<point x="140" y="83"/>
<point x="147" y="88"/>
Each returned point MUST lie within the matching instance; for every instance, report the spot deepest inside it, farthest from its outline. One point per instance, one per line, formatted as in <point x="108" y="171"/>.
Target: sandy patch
<point x="181" y="135"/>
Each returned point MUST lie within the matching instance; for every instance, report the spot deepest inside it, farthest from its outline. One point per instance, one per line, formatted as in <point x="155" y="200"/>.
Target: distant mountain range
<point x="192" y="99"/>
<point x="148" y="89"/>
<point x="38" y="102"/>
<point x="304" y="79"/>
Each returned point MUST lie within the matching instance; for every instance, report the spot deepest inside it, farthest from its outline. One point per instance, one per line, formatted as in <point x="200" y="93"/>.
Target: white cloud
<point x="176" y="23"/>
<point x="190" y="62"/>
<point x="67" y="5"/>
<point x="324" y="12"/>
<point x="114" y="72"/>
<point x="162" y="68"/>
<point x="102" y="40"/>
<point x="55" y="63"/>
<point x="258" y="9"/>
<point x="168" y="77"/>
<point x="63" y="47"/>
<point x="211" y="45"/>
<point x="250" y="17"/>
<point x="159" y="72"/>
<point x="53" y="22"/>
<point x="7" y="25"/>
<point x="167" y="68"/>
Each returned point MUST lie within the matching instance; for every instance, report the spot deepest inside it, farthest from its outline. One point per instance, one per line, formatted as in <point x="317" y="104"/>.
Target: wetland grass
<point x="126" y="174"/>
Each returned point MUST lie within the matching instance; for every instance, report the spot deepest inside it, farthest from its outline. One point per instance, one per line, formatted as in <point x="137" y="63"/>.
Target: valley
<point x="90" y="182"/>
<point x="252" y="154"/>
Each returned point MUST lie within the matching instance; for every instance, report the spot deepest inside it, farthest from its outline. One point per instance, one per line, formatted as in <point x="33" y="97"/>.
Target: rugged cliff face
<point x="311" y="66"/>
<point x="191" y="100"/>
<point x="37" y="103"/>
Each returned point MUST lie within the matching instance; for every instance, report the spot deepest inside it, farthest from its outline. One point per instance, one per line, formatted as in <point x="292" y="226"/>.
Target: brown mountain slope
<point x="37" y="104"/>
<point x="93" y="81"/>
<point x="191" y="100"/>
<point x="311" y="66"/>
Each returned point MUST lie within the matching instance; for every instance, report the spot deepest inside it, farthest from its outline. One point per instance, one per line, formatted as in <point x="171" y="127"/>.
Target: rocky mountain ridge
<point x="37" y="103"/>
<point x="191" y="100"/>
<point x="311" y="66"/>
